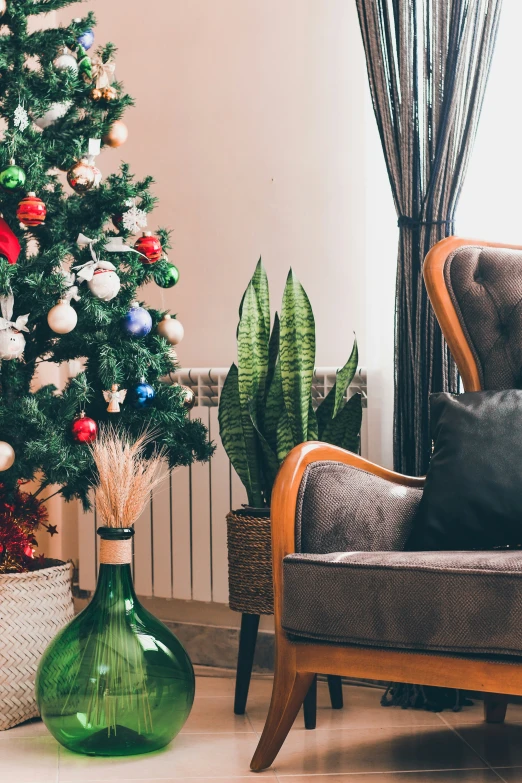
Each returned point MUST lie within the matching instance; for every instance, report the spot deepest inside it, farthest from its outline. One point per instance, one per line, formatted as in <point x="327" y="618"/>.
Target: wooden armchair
<point x="329" y="615"/>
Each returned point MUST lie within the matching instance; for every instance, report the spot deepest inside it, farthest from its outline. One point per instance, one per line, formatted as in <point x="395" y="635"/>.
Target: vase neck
<point x="114" y="584"/>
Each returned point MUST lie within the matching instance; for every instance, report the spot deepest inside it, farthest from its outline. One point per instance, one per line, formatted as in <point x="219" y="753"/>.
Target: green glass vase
<point x="115" y="681"/>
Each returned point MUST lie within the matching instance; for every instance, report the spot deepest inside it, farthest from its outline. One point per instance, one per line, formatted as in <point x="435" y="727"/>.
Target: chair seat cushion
<point x="461" y="602"/>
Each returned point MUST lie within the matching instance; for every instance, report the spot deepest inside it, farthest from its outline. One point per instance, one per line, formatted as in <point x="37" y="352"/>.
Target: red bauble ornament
<point x="84" y="429"/>
<point x="150" y="246"/>
<point x="31" y="210"/>
<point x="9" y="244"/>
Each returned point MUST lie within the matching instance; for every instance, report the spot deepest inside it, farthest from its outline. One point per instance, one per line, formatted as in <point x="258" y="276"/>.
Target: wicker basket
<point x="34" y="606"/>
<point x="250" y="561"/>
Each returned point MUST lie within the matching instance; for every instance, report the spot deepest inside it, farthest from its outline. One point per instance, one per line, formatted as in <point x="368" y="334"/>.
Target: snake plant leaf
<point x="335" y="399"/>
<point x="260" y="283"/>
<point x="313" y="427"/>
<point x="252" y="349"/>
<point x="344" y="378"/>
<point x="297" y="356"/>
<point x="270" y="463"/>
<point x="273" y="353"/>
<point x="231" y="430"/>
<point x="274" y="408"/>
<point x="344" y="430"/>
<point x="285" y="441"/>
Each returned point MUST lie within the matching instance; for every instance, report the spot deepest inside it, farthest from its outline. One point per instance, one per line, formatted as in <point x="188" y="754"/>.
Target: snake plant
<point x="266" y="405"/>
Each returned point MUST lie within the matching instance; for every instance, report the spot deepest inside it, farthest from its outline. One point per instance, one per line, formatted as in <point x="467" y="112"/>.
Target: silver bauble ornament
<point x="171" y="329"/>
<point x="66" y="60"/>
<point x="12" y="343"/>
<point x="62" y="318"/>
<point x="7" y="453"/>
<point x="56" y="112"/>
<point x="105" y="284"/>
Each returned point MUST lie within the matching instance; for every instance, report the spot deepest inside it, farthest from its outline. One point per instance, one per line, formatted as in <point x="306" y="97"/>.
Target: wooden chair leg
<point x="335" y="686"/>
<point x="288" y="693"/>
<point x="495" y="706"/>
<point x="245" y="660"/>
<point x="310" y="706"/>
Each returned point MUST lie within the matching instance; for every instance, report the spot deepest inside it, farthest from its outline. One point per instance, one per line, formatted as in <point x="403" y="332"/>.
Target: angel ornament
<point x="115" y="398"/>
<point x="12" y="341"/>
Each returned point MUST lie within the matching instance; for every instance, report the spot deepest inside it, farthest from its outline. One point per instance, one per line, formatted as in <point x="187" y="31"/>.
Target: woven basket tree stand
<point x="251" y="592"/>
<point x="34" y="606"/>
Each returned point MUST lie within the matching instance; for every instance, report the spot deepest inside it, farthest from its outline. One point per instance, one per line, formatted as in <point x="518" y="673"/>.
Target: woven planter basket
<point x="34" y="606"/>
<point x="250" y="562"/>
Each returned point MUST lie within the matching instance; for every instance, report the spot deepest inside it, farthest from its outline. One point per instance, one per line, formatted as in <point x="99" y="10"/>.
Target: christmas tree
<point x="70" y="268"/>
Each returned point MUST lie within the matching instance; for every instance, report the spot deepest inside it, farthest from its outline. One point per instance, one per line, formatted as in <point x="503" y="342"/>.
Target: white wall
<point x="250" y="116"/>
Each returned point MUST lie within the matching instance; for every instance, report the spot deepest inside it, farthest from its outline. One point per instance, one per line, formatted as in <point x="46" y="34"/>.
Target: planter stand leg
<point x="245" y="660"/>
<point x="310" y="705"/>
<point x="335" y="686"/>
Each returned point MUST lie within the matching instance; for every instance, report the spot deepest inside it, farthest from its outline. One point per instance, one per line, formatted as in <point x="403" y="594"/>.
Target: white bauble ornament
<point x="56" y="111"/>
<point x="171" y="329"/>
<point x="66" y="60"/>
<point x="105" y="284"/>
<point x="62" y="318"/>
<point x="7" y="455"/>
<point x="12" y="343"/>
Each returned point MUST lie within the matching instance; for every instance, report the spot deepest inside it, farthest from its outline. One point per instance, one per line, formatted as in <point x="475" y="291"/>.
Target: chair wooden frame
<point x="297" y="662"/>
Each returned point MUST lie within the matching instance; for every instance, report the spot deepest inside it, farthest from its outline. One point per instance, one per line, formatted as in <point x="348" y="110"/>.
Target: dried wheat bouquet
<point x="126" y="476"/>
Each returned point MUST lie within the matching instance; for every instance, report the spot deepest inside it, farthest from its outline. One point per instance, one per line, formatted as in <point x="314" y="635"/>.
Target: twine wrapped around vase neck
<point x="115" y="552"/>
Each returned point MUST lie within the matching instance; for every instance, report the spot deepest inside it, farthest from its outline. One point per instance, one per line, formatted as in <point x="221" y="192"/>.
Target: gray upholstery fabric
<point x="466" y="602"/>
<point x="485" y="285"/>
<point x="340" y="508"/>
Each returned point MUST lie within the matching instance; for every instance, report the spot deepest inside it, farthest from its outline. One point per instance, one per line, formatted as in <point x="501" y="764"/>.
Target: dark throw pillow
<point x="473" y="493"/>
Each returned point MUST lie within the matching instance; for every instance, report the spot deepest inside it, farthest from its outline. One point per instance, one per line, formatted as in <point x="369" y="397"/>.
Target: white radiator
<point x="180" y="543"/>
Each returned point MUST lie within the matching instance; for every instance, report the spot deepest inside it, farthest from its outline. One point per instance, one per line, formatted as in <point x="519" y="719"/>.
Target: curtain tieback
<point x="405" y="221"/>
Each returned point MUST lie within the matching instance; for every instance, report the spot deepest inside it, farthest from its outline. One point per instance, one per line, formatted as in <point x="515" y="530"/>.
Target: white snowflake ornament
<point x="134" y="219"/>
<point x="21" y="118"/>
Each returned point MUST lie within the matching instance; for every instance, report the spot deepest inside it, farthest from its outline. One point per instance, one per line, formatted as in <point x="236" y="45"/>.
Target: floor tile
<point x="31" y="728"/>
<point x="215" y="687"/>
<point x="27" y="760"/>
<point x="362" y="709"/>
<point x="189" y="756"/>
<point x="513" y="775"/>
<point x="444" y="776"/>
<point x="475" y="714"/>
<point x="374" y="750"/>
<point x="215" y="715"/>
<point x="499" y="745"/>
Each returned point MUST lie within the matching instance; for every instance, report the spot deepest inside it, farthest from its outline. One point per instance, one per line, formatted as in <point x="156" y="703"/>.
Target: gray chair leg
<point x="335" y="686"/>
<point x="310" y="705"/>
<point x="245" y="660"/>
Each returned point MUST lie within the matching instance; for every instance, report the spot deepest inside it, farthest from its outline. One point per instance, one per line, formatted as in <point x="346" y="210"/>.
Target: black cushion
<point x="473" y="493"/>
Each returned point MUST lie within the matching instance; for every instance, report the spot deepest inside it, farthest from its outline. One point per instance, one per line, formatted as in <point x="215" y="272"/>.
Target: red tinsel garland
<point x="21" y="515"/>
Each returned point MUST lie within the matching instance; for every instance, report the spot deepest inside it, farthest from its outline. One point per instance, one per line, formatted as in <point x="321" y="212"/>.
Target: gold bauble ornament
<point x="82" y="176"/>
<point x="189" y="399"/>
<point x="7" y="453"/>
<point x="96" y="94"/>
<point x="109" y="93"/>
<point x="116" y="135"/>
<point x="171" y="329"/>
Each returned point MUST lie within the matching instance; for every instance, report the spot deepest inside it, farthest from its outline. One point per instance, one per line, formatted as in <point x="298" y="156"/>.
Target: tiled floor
<point x="363" y="743"/>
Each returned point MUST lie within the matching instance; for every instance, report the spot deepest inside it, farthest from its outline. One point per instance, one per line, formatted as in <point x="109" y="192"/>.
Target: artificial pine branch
<point x="37" y="422"/>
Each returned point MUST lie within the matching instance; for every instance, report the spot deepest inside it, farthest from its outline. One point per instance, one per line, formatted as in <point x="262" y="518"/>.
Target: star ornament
<point x="52" y="530"/>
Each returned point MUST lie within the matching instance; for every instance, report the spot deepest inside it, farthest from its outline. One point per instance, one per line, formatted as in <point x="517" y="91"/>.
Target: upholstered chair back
<point x="485" y="287"/>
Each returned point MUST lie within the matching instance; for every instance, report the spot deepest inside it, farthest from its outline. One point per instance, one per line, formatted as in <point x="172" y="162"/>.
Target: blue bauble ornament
<point x="86" y="39"/>
<point x="142" y="395"/>
<point x="137" y="322"/>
